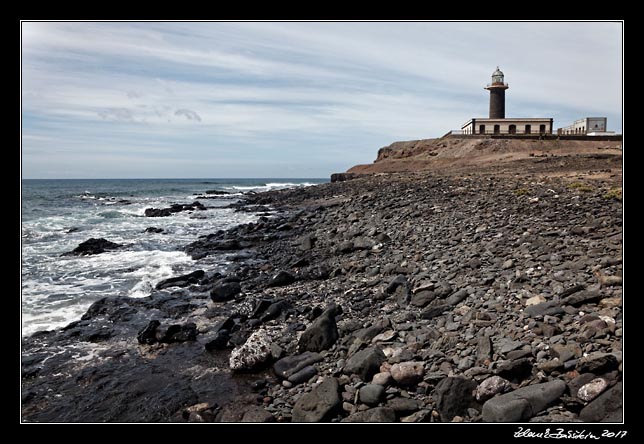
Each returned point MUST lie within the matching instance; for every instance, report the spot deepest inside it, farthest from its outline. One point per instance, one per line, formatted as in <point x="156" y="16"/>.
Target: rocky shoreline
<point x="387" y="298"/>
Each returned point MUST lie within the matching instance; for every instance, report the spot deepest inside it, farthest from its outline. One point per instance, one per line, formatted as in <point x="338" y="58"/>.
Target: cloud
<point x="189" y="114"/>
<point x="116" y="115"/>
<point x="311" y="95"/>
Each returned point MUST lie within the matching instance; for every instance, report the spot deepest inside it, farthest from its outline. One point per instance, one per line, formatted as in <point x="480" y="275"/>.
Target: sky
<point x="289" y="99"/>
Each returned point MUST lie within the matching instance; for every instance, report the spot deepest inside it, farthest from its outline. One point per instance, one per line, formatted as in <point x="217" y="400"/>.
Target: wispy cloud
<point x="189" y="114"/>
<point x="313" y="96"/>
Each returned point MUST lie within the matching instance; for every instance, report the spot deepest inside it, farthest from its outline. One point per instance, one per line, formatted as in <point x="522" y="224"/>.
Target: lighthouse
<point x="497" y="95"/>
<point x="497" y="125"/>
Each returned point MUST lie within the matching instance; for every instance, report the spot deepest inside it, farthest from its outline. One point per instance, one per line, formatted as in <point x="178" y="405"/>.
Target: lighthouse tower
<point x="497" y="95"/>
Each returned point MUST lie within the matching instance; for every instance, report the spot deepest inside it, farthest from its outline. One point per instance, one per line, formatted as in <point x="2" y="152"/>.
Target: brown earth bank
<point x="417" y="297"/>
<point x="512" y="156"/>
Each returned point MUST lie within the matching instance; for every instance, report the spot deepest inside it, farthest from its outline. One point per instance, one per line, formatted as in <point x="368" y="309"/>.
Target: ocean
<point x="57" y="215"/>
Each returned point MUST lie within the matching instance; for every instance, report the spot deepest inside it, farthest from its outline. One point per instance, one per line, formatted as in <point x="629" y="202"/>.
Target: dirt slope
<point x="551" y="157"/>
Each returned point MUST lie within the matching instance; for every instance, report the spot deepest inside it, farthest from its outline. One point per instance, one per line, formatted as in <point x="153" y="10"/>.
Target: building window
<point x="513" y="129"/>
<point x="542" y="129"/>
<point x="528" y="129"/>
<point x="481" y="129"/>
<point x="497" y="129"/>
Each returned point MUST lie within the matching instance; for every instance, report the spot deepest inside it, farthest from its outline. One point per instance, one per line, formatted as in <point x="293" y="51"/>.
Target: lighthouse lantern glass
<point x="497" y="76"/>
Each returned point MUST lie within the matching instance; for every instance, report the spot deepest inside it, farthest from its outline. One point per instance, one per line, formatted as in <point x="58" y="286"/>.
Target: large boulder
<point x="253" y="353"/>
<point x="225" y="291"/>
<point x="454" y="396"/>
<point x="365" y="363"/>
<point x="319" y="403"/>
<point x="524" y="403"/>
<point x="322" y="334"/>
<point x="607" y="407"/>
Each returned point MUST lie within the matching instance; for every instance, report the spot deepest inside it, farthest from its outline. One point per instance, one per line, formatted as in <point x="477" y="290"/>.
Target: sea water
<point x="57" y="215"/>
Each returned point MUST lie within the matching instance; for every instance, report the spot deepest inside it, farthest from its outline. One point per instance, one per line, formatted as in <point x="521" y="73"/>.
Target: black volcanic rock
<point x="92" y="246"/>
<point x="181" y="281"/>
<point x="175" y="208"/>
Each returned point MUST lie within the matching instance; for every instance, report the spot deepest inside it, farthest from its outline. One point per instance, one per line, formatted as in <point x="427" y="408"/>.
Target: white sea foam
<point x="58" y="289"/>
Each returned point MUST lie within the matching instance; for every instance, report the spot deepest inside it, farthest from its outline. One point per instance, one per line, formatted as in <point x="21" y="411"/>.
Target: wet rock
<point x="524" y="403"/>
<point x="408" y="373"/>
<point x="322" y="334"/>
<point x="92" y="246"/>
<point x="281" y="279"/>
<point x="454" y="395"/>
<point x="607" y="407"/>
<point x="181" y="281"/>
<point x="255" y="352"/>
<point x="175" y="208"/>
<point x="377" y="414"/>
<point x="178" y="333"/>
<point x="225" y="291"/>
<point x="219" y="341"/>
<point x="371" y="394"/>
<point x="365" y="363"/>
<point x="319" y="404"/>
<point x="148" y="334"/>
<point x="490" y="387"/>
<point x="288" y="366"/>
<point x="593" y="389"/>
<point x="154" y="230"/>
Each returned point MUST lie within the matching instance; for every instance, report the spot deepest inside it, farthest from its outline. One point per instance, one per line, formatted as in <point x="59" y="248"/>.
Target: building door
<point x="481" y="129"/>
<point x="528" y="129"/>
<point x="542" y="129"/>
<point x="513" y="129"/>
<point x="497" y="129"/>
